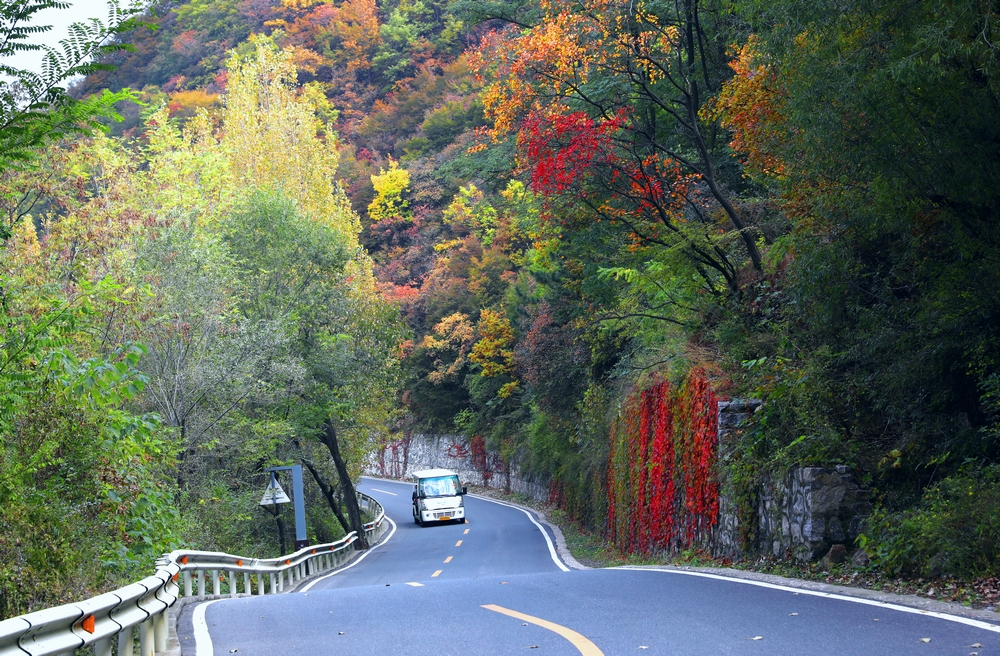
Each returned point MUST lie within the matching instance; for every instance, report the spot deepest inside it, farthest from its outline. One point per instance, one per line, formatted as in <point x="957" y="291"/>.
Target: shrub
<point x="955" y="529"/>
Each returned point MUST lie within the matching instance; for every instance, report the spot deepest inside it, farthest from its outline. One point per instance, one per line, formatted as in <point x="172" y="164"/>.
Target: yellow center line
<point x="435" y="574"/>
<point x="458" y="544"/>
<point x="583" y="645"/>
<point x="448" y="559"/>
<point x="465" y="532"/>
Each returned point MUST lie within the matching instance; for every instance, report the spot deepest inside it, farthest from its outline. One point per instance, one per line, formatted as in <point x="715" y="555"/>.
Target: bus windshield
<point x="439" y="486"/>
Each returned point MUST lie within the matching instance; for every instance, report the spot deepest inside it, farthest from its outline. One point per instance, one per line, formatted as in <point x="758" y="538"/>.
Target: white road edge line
<point x="548" y="540"/>
<point x="202" y="638"/>
<point x="375" y="489"/>
<point x="354" y="562"/>
<point x="829" y="595"/>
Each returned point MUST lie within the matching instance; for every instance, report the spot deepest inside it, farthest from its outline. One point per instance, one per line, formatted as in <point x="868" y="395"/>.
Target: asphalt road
<point x="494" y="586"/>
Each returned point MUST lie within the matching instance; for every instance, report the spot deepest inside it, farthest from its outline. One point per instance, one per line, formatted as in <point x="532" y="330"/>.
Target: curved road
<point x="495" y="586"/>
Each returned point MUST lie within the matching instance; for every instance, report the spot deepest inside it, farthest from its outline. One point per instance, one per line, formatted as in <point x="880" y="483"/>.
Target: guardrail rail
<point x="108" y="622"/>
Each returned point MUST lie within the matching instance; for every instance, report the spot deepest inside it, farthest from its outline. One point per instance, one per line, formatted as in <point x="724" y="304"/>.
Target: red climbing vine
<point x="661" y="489"/>
<point x="481" y="459"/>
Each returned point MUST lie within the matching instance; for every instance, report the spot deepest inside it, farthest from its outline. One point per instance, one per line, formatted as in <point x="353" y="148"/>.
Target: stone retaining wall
<point x="418" y="451"/>
<point x="812" y="510"/>
<point x="802" y="516"/>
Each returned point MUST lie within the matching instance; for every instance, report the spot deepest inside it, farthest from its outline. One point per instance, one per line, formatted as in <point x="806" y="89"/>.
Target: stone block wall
<point x="802" y="515"/>
<point x="811" y="510"/>
<point x="418" y="451"/>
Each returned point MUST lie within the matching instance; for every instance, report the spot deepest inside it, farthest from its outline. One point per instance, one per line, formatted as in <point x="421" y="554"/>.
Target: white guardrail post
<point x="113" y="617"/>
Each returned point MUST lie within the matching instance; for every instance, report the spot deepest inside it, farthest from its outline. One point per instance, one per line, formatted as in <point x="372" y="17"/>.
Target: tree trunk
<point x="276" y="511"/>
<point x="330" y="494"/>
<point x="350" y="496"/>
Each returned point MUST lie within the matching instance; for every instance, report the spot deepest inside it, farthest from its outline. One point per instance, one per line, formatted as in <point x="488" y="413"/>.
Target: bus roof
<point x="431" y="473"/>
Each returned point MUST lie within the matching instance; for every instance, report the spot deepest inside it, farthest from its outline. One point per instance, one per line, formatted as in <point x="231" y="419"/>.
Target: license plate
<point x="445" y="518"/>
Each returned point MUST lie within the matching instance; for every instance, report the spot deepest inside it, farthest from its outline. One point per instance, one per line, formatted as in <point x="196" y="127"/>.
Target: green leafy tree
<point x="35" y="107"/>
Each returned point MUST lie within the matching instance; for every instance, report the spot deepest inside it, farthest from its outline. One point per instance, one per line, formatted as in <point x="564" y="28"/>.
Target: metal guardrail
<point x="110" y="619"/>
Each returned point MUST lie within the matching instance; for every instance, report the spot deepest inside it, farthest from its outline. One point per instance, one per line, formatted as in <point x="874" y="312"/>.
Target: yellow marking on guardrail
<point x="458" y="544"/>
<point x="448" y="559"/>
<point x="435" y="574"/>
<point x="583" y="645"/>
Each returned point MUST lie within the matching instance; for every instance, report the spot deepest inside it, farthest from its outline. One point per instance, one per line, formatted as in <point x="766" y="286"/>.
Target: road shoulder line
<point x="561" y="546"/>
<point x="355" y="561"/>
<point x="904" y="603"/>
<point x="199" y="626"/>
<point x="530" y="512"/>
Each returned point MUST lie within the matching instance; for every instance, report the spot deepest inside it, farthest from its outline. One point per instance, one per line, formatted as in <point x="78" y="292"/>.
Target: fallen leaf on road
<point x="757" y="638"/>
<point x="233" y="651"/>
<point x="340" y="633"/>
<point x="925" y="640"/>
<point x="532" y="646"/>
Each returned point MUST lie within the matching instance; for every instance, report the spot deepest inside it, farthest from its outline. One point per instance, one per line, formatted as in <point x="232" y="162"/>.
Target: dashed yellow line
<point x="436" y="573"/>
<point x="448" y="559"/>
<point x="465" y="532"/>
<point x="458" y="544"/>
<point x="583" y="645"/>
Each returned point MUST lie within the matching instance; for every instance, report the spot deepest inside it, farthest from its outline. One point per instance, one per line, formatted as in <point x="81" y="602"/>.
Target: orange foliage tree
<point x="749" y="106"/>
<point x="604" y="98"/>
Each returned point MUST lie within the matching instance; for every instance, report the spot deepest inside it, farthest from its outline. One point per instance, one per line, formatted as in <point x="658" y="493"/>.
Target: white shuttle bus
<point x="437" y="497"/>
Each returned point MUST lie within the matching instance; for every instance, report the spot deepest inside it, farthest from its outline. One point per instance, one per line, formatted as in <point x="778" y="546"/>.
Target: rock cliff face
<point x="803" y="515"/>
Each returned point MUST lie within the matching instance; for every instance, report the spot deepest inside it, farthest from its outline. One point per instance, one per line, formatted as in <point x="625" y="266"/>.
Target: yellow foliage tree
<point x="493" y="350"/>
<point x="389" y="189"/>
<point x="449" y="343"/>
<point x="273" y="137"/>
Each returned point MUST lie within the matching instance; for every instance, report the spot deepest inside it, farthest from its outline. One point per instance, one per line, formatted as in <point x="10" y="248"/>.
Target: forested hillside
<point x="518" y="222"/>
